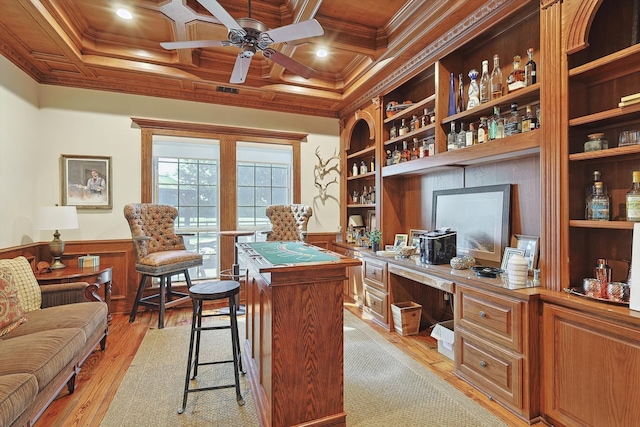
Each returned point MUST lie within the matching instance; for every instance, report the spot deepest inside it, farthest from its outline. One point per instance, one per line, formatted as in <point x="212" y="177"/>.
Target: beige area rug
<point x="383" y="386"/>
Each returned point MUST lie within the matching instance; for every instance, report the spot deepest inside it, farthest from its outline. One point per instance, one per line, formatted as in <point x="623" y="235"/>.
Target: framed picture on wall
<point x="85" y="181"/>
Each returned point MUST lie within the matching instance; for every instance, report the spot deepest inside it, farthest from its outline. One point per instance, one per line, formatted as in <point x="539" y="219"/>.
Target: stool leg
<point x="134" y="310"/>
<point x="235" y="344"/>
<point x="198" y="333"/>
<point x="169" y="289"/>
<point x="189" y="361"/>
<point x="162" y="296"/>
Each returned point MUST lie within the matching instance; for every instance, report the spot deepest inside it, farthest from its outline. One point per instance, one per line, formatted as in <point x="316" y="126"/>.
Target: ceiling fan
<point x="251" y="35"/>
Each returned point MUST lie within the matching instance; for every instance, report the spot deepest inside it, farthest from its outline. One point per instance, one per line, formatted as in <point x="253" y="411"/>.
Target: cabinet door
<point x="590" y="370"/>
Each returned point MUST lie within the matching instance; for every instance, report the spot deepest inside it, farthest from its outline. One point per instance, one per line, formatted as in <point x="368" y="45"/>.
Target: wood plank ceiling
<point x="83" y="43"/>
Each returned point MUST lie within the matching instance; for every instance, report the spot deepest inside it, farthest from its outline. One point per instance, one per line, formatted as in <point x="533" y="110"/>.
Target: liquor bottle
<point x="472" y="136"/>
<point x="602" y="273"/>
<point x="452" y="95"/>
<point x="451" y="137"/>
<point x="527" y="123"/>
<point x="461" y="138"/>
<point x="364" y="197"/>
<point x="423" y="150"/>
<point x="393" y="132"/>
<point x="496" y="125"/>
<point x="396" y="156"/>
<point x="474" y="91"/>
<point x="460" y="100"/>
<point x="485" y="83"/>
<point x="633" y="199"/>
<point x="483" y="131"/>
<point x="424" y="119"/>
<point x="404" y="128"/>
<point x="372" y="165"/>
<point x="513" y="122"/>
<point x="372" y="194"/>
<point x="389" y="158"/>
<point x="415" y="152"/>
<point x="496" y="78"/>
<point x="405" y="156"/>
<point x="354" y="170"/>
<point x="598" y="204"/>
<point x="530" y="69"/>
<point x="363" y="168"/>
<point x="591" y="187"/>
<point x="415" y="123"/>
<point x="515" y="79"/>
<point x="538" y="118"/>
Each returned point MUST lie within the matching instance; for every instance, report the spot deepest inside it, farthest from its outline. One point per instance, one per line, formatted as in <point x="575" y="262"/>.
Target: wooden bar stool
<point x="211" y="291"/>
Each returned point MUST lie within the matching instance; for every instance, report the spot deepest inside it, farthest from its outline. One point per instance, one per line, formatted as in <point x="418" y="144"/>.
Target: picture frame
<point x="531" y="247"/>
<point x="85" y="181"/>
<point x="400" y="240"/>
<point x="414" y="237"/>
<point x="508" y="253"/>
<point x="481" y="217"/>
<point x="371" y="220"/>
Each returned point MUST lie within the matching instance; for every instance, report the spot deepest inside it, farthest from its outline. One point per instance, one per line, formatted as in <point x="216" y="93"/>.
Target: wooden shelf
<point x="413" y="134"/>
<point x="611" y="225"/>
<point x="610" y="67"/>
<point x="363" y="152"/>
<point x="362" y="176"/>
<point x="607" y="117"/>
<point x="410" y="111"/>
<point x="520" y="145"/>
<point x="358" y="205"/>
<point x="603" y="154"/>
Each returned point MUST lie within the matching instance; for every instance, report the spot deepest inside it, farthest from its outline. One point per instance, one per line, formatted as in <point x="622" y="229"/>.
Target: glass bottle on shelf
<point x="415" y="122"/>
<point x="633" y="199"/>
<point x="485" y="83"/>
<point x="483" y="131"/>
<point x="424" y="119"/>
<point x="405" y="156"/>
<point x="372" y="165"/>
<point x="496" y="78"/>
<point x="372" y="194"/>
<point x="423" y="150"/>
<point x="530" y="69"/>
<point x="363" y="168"/>
<point x="452" y="95"/>
<point x="461" y="138"/>
<point x="528" y="121"/>
<point x="538" y="117"/>
<point x="472" y="136"/>
<point x="474" y="90"/>
<point x="364" y="197"/>
<point x="396" y="156"/>
<point x="451" y="137"/>
<point x="404" y="128"/>
<point x="598" y="203"/>
<point x="496" y="125"/>
<point x="460" y="99"/>
<point x="389" y="158"/>
<point x="393" y="132"/>
<point x="415" y="152"/>
<point x="591" y="187"/>
<point x="354" y="169"/>
<point x="515" y="79"/>
<point x="602" y="273"/>
<point x="513" y="122"/>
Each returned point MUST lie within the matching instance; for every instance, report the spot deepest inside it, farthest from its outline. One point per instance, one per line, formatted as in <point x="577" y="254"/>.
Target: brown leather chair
<point x="288" y="222"/>
<point x="161" y="253"/>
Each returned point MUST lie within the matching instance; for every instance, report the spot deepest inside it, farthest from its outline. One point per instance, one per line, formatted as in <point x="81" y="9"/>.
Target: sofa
<point x="46" y="333"/>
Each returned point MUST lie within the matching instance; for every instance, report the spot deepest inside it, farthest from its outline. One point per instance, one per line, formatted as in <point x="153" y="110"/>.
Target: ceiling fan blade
<point x="240" y="69"/>
<point x="300" y="30"/>
<point x="194" y="44"/>
<point x="223" y="16"/>
<point x="291" y="64"/>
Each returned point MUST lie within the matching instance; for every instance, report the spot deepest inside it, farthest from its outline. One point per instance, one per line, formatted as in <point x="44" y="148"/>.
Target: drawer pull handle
<point x="483" y="364"/>
<point x="483" y="314"/>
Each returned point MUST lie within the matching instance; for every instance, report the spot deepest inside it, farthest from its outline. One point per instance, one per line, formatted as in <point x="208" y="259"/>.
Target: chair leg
<point x="198" y="334"/>
<point x="162" y="299"/>
<point x="190" y="358"/>
<point x="169" y="289"/>
<point x="237" y="360"/>
<point x="136" y="303"/>
<point x="187" y="278"/>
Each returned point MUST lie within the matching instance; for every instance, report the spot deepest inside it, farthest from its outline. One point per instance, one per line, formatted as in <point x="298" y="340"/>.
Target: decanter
<point x="474" y="90"/>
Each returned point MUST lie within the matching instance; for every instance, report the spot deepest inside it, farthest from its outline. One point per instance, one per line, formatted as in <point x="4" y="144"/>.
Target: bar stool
<point x="235" y="273"/>
<point x="211" y="291"/>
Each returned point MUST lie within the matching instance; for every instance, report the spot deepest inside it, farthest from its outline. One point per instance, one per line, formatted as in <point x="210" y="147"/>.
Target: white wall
<point x="39" y="123"/>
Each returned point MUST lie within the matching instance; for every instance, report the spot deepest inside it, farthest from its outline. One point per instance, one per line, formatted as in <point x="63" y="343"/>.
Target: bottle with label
<point x="460" y="101"/>
<point x="461" y="138"/>
<point x="423" y="149"/>
<point x="424" y="119"/>
<point x="415" y="123"/>
<point x="496" y="78"/>
<point x="372" y="194"/>
<point x="515" y="79"/>
<point x="530" y="69"/>
<point x="451" y="137"/>
<point x="452" y="95"/>
<point x="602" y="273"/>
<point x="474" y="90"/>
<point x="363" y="168"/>
<point x="372" y="165"/>
<point x="591" y="187"/>
<point x="496" y="125"/>
<point x="528" y="123"/>
<point x="513" y="122"/>
<point x="404" y="128"/>
<point x="396" y="156"/>
<point x="472" y="136"/>
<point x="598" y="203"/>
<point x="393" y="132"/>
<point x="485" y="83"/>
<point x="405" y="156"/>
<point x="354" y="170"/>
<point x="483" y="131"/>
<point x="389" y="158"/>
<point x="633" y="199"/>
<point x="415" y="152"/>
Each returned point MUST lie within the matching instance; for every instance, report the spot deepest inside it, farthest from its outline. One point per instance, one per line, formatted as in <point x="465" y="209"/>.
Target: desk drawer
<point x="375" y="273"/>
<point x="376" y="304"/>
<point x="496" y="371"/>
<point x="491" y="316"/>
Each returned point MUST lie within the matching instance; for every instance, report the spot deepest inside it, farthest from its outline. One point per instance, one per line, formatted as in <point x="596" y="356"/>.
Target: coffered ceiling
<point x="83" y="43"/>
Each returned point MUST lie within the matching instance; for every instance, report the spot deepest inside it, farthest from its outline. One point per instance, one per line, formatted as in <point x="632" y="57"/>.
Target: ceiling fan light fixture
<point x="124" y="13"/>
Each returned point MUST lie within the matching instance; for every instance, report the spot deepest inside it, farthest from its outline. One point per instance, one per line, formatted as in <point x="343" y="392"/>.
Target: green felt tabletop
<point x="290" y="252"/>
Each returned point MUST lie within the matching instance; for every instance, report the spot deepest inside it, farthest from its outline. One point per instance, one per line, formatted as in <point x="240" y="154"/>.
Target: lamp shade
<point x="57" y="218"/>
<point x="356" y="221"/>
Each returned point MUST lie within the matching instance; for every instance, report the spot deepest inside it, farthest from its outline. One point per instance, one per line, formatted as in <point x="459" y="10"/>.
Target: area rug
<point x="383" y="386"/>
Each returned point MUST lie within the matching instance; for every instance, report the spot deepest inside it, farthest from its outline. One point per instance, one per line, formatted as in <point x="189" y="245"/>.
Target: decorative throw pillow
<point x="11" y="312"/>
<point x="24" y="281"/>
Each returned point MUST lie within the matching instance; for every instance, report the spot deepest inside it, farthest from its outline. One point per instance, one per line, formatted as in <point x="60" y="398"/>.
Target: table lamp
<point x="57" y="218"/>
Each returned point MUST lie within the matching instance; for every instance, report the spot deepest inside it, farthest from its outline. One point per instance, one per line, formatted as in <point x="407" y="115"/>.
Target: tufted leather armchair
<point x="288" y="222"/>
<point x="160" y="252"/>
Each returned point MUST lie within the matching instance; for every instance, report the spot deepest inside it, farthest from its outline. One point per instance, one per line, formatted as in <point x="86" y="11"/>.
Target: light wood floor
<point x="102" y="372"/>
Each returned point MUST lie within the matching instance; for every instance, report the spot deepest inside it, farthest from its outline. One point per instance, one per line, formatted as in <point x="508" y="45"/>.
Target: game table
<point x="294" y="332"/>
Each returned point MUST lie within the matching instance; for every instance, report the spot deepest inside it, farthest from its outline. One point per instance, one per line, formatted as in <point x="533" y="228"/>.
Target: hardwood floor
<point x="102" y="372"/>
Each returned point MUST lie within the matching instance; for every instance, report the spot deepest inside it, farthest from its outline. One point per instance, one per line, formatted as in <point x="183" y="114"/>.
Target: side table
<point x="95" y="275"/>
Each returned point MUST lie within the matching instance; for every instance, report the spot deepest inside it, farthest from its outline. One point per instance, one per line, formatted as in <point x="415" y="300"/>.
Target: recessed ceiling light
<point x="124" y="14"/>
<point x="321" y="53"/>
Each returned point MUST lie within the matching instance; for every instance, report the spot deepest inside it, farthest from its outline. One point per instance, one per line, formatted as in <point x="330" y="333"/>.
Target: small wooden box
<point x="406" y="317"/>
<point x="89" y="261"/>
